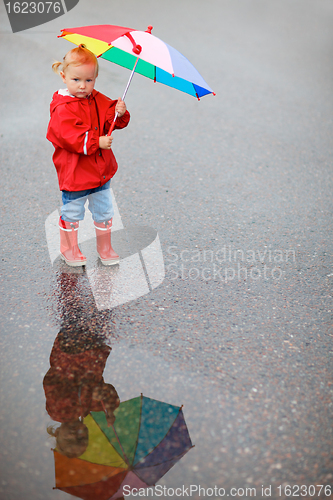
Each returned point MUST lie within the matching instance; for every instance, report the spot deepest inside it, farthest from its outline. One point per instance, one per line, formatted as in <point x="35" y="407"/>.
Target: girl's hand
<point x="120" y="107"/>
<point x="105" y="142"/>
<point x="110" y="418"/>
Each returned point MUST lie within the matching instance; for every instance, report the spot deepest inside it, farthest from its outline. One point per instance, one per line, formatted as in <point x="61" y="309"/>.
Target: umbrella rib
<point x="122" y="449"/>
<point x="196" y="93"/>
<point x="137" y="439"/>
<point x="114" y="430"/>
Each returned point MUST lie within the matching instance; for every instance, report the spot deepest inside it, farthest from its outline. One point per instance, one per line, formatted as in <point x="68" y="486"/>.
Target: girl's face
<point x="80" y="80"/>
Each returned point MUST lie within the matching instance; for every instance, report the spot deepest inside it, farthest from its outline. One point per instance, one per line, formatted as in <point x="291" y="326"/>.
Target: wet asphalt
<point x="239" y="189"/>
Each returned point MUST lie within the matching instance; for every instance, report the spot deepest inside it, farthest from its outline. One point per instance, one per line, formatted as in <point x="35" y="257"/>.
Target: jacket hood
<point x="62" y="96"/>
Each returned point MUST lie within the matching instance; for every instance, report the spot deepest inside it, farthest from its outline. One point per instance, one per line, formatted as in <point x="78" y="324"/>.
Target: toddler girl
<point x="85" y="163"/>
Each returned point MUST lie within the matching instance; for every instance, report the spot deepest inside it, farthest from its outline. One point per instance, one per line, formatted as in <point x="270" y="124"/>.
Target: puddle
<point x="238" y="438"/>
<point x="67" y="419"/>
<point x="29" y="465"/>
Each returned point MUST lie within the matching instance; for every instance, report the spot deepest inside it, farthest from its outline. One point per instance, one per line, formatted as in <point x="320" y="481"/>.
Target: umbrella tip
<point x="148" y="30"/>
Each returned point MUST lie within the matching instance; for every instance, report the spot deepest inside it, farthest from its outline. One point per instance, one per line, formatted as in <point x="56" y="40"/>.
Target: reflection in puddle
<point x="147" y="438"/>
<point x="74" y="386"/>
<point x="75" y="308"/>
<point x="104" y="447"/>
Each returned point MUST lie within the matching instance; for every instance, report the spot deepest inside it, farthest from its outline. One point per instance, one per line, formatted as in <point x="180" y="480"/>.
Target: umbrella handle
<point x="124" y="94"/>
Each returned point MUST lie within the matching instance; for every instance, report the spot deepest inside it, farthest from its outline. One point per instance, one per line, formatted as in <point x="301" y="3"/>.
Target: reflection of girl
<point x="74" y="386"/>
<point x="83" y="158"/>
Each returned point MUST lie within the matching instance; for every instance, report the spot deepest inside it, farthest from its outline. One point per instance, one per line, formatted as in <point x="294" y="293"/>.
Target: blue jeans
<point x="99" y="199"/>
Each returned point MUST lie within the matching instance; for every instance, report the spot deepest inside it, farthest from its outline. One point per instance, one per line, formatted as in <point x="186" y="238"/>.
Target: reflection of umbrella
<point x="147" y="439"/>
<point x="142" y="52"/>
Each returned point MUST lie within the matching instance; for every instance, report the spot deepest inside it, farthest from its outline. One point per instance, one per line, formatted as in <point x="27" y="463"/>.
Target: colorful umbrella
<point x="142" y="52"/>
<point x="147" y="439"/>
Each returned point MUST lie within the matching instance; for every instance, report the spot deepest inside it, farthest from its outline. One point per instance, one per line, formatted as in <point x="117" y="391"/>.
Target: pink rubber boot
<point x="69" y="248"/>
<point x="103" y="237"/>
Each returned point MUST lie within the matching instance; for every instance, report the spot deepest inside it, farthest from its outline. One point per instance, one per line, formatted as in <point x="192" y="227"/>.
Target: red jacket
<point x="70" y="381"/>
<point x="74" y="130"/>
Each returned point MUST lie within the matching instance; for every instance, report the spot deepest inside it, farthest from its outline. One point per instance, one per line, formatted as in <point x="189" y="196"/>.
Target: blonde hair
<point x="51" y="430"/>
<point x="76" y="57"/>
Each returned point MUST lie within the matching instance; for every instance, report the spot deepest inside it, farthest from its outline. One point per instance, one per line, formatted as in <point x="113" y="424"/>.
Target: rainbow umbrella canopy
<point x="146" y="440"/>
<point x="143" y="52"/>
